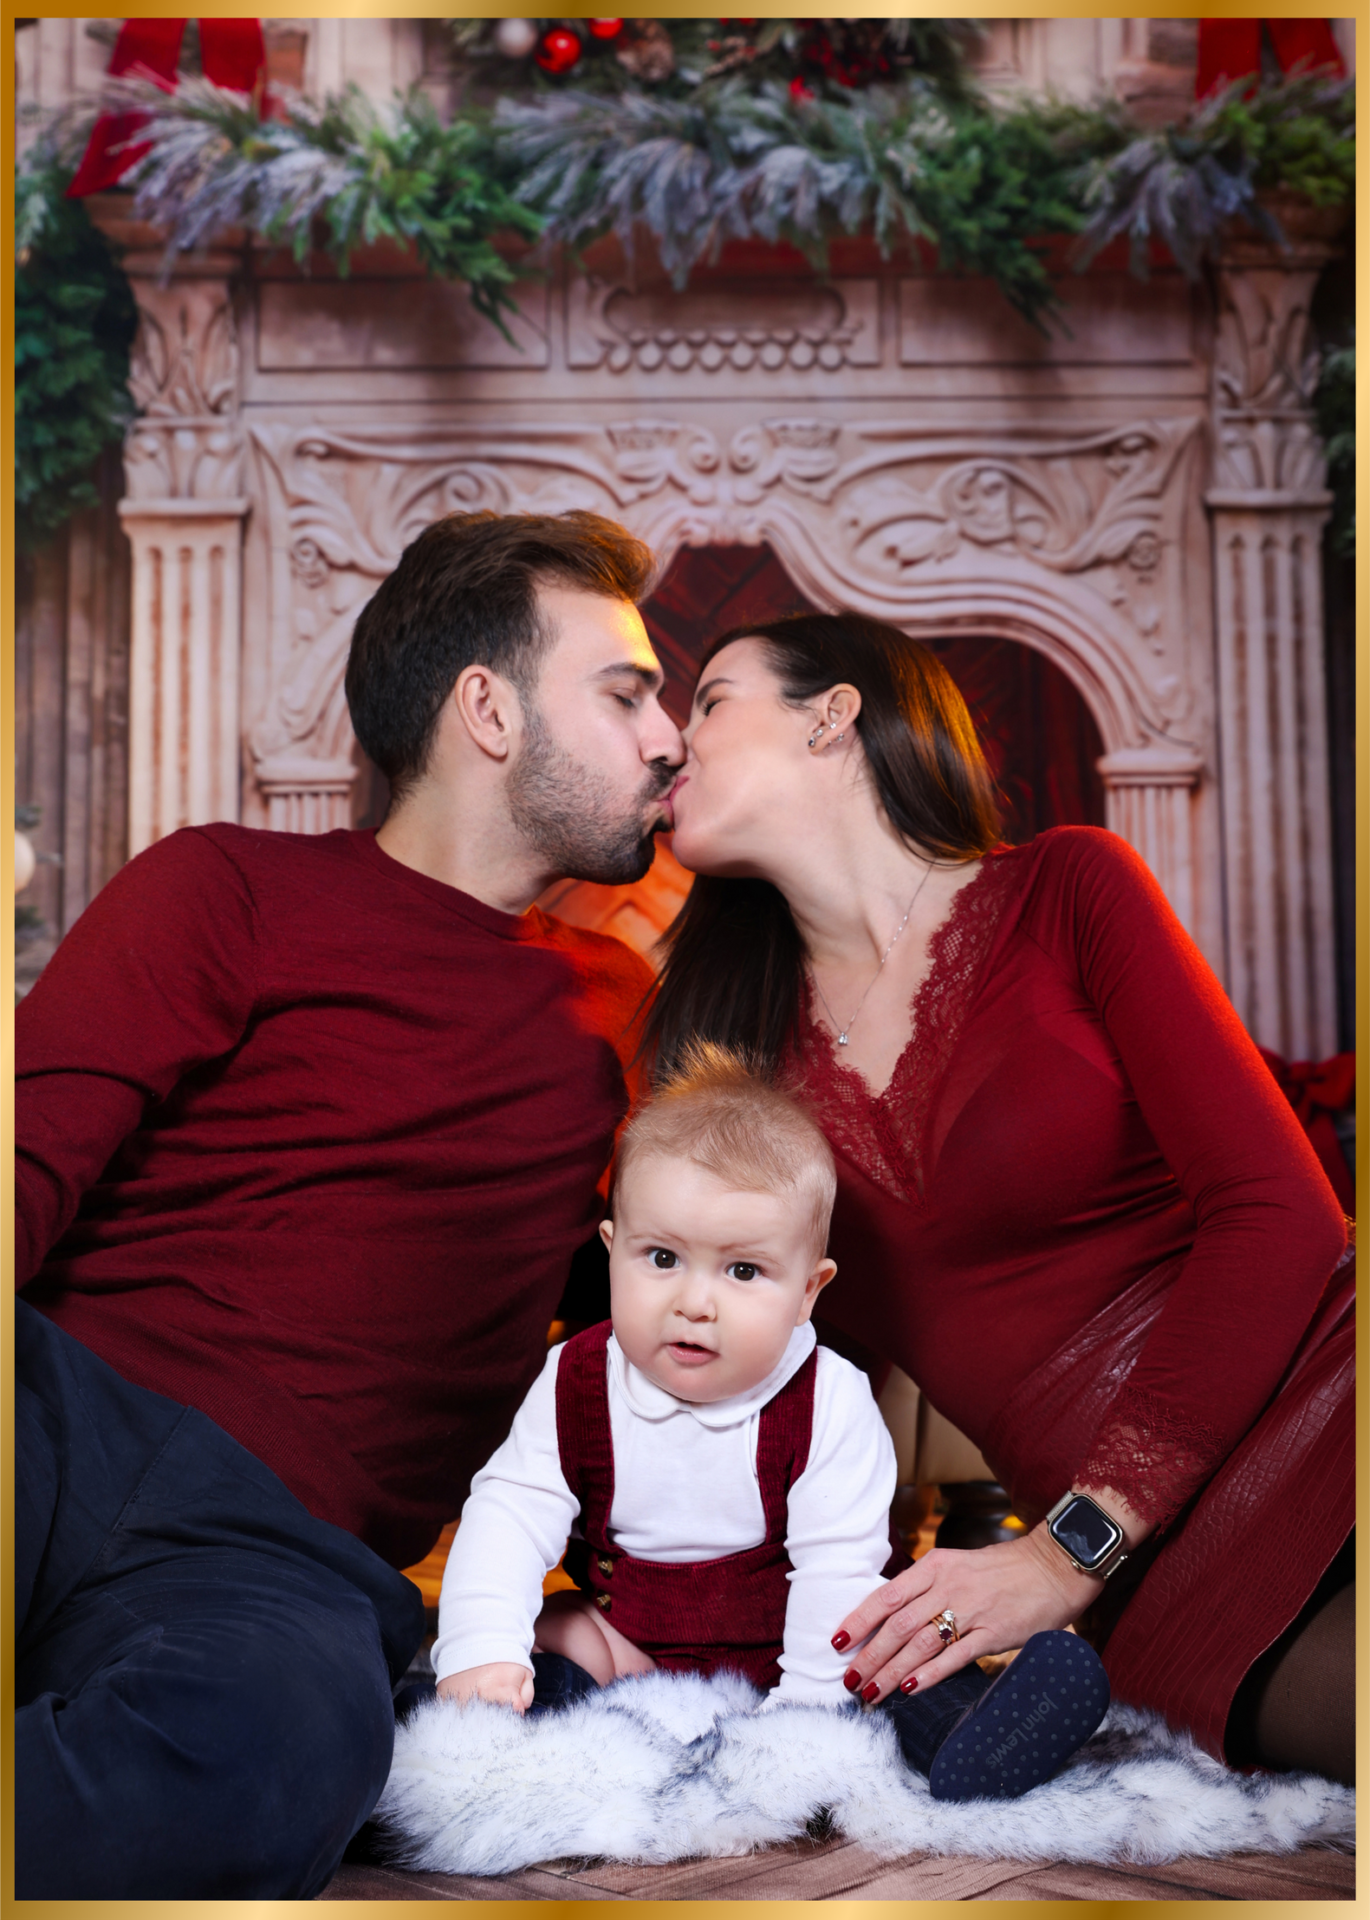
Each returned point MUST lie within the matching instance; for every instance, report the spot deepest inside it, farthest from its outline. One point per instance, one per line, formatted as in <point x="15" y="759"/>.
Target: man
<point x="309" y="1130"/>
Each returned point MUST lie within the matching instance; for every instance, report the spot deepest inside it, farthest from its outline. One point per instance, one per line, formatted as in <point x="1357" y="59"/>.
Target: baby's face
<point x="707" y="1284"/>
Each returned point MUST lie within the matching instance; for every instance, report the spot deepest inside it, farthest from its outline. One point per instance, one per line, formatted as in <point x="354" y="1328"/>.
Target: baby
<point x="725" y="1481"/>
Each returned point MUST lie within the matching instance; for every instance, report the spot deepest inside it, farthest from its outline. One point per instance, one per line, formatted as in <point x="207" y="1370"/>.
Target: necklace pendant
<point x="841" y="1039"/>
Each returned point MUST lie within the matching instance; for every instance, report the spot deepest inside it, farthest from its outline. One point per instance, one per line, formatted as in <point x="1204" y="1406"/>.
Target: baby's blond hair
<point x="717" y="1110"/>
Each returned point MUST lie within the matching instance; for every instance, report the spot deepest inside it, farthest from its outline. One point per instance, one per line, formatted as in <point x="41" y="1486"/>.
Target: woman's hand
<point x="501" y="1681"/>
<point x="1000" y="1595"/>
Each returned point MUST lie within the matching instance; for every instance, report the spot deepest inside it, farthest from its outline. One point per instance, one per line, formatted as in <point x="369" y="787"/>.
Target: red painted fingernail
<point x="870" y="1692"/>
<point x="910" y="1685"/>
<point x="841" y="1640"/>
<point x="851" y="1679"/>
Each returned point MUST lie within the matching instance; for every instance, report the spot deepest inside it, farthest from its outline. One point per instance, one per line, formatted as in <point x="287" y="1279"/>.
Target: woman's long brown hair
<point x="734" y="968"/>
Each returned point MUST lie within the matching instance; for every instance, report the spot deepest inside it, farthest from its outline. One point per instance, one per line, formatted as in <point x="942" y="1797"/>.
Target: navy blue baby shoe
<point x="1026" y="1724"/>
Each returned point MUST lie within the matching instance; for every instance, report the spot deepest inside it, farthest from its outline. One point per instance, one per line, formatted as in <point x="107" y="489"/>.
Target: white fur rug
<point x="672" y="1767"/>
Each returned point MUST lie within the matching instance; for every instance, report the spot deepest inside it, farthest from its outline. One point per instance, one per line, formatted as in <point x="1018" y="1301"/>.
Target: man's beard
<point x="568" y="813"/>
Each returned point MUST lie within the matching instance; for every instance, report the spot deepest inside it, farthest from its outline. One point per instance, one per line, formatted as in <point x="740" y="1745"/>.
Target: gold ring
<point x="945" y="1623"/>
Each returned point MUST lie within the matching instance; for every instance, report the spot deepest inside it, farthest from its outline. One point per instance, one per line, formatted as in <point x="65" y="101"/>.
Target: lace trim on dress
<point x="1152" y="1453"/>
<point x="884" y="1134"/>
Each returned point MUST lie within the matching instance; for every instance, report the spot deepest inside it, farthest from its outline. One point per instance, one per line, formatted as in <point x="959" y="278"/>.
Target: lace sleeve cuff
<point x="1152" y="1453"/>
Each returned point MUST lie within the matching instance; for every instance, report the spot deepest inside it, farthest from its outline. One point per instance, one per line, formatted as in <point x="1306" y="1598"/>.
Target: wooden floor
<point x="833" y="1870"/>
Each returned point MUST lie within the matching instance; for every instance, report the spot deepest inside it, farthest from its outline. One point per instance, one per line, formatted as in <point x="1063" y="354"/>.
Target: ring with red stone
<point x="945" y="1623"/>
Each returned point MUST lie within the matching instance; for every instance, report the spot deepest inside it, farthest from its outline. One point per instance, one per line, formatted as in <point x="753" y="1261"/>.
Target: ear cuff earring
<point x="836" y="740"/>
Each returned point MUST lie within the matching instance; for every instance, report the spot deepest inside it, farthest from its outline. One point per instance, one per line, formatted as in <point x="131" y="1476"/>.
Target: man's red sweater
<point x="307" y="1140"/>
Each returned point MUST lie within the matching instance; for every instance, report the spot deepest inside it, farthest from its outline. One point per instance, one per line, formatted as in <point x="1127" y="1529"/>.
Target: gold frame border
<point x="528" y="1909"/>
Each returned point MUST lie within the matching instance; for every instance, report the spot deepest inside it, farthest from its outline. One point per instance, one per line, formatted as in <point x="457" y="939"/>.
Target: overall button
<point x="603" y="1601"/>
<point x="606" y="1567"/>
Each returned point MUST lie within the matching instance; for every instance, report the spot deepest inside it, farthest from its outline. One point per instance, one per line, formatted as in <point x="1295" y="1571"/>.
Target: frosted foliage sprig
<point x="746" y="162"/>
<point x="365" y="174"/>
<point x="214" y="163"/>
<point x="1149" y="192"/>
<point x="589" y="163"/>
<point x="1185" y="184"/>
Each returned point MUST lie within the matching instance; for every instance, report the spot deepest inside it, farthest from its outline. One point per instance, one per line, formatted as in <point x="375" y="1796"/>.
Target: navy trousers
<point x="204" y="1671"/>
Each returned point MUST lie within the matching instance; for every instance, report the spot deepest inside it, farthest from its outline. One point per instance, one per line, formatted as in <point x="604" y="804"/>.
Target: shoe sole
<point x="1043" y="1707"/>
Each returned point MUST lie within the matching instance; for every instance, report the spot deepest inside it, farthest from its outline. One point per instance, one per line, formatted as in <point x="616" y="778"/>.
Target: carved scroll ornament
<point x="884" y="503"/>
<point x="1264" y="375"/>
<point x="186" y="444"/>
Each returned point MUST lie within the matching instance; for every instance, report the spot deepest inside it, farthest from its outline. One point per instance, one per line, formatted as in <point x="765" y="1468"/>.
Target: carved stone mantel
<point x="902" y="445"/>
<point x="1268" y="502"/>
<point x="183" y="513"/>
<point x="1069" y="539"/>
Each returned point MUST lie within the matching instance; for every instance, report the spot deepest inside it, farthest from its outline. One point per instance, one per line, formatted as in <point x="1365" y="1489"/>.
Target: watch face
<point x="1086" y="1532"/>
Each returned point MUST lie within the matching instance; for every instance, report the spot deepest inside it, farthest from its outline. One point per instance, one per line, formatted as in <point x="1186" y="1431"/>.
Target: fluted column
<point x="1148" y="797"/>
<point x="1268" y="505"/>
<point x="183" y="512"/>
<point x="183" y="664"/>
<point x="304" y="795"/>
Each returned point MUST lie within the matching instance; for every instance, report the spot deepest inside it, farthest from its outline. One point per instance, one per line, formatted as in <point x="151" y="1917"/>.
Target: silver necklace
<point x="844" y="1031"/>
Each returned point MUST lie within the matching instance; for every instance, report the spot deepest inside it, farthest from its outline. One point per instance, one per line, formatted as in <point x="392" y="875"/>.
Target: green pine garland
<point x="74" y="323"/>
<point x="366" y="176"/>
<point x="1185" y="184"/>
<point x="672" y="58"/>
<point x="741" y="160"/>
<point x="736" y="155"/>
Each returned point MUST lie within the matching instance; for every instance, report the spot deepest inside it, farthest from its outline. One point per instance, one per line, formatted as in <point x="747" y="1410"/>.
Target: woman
<point x="1073" y="1205"/>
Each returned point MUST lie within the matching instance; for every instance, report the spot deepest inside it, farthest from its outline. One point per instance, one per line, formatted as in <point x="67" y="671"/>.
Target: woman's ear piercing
<point x="814" y="737"/>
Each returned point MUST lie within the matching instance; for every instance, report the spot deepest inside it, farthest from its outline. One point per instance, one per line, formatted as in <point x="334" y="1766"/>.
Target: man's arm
<point x="155" y="978"/>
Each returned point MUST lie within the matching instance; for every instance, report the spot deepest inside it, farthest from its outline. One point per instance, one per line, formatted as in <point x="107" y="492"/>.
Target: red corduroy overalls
<point x="689" y="1616"/>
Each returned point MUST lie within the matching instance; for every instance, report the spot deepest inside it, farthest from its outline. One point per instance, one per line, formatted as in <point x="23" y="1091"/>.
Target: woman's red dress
<point x="1085" y="1220"/>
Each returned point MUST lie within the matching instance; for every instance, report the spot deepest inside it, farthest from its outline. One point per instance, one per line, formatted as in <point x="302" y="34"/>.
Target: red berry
<point x="606" y="29"/>
<point x="559" y="51"/>
<point x="799" y="91"/>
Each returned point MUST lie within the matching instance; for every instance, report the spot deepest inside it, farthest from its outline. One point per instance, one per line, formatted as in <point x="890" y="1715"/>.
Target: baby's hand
<point x="500" y="1681"/>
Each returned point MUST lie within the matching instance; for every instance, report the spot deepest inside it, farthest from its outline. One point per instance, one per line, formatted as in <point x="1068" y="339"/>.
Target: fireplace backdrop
<point x="1113" y="533"/>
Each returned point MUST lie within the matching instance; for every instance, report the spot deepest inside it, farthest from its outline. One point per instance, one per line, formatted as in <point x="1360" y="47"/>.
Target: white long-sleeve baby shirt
<point x="685" y="1489"/>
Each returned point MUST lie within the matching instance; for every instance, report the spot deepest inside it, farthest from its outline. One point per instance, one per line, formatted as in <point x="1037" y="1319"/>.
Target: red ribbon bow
<point x="1231" y="50"/>
<point x="232" y="52"/>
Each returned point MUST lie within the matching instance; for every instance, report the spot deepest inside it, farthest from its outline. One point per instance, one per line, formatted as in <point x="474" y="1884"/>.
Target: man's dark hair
<point x="465" y="594"/>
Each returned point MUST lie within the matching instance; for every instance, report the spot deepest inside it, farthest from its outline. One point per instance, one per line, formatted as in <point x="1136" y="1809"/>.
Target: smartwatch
<point x="1089" y="1538"/>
